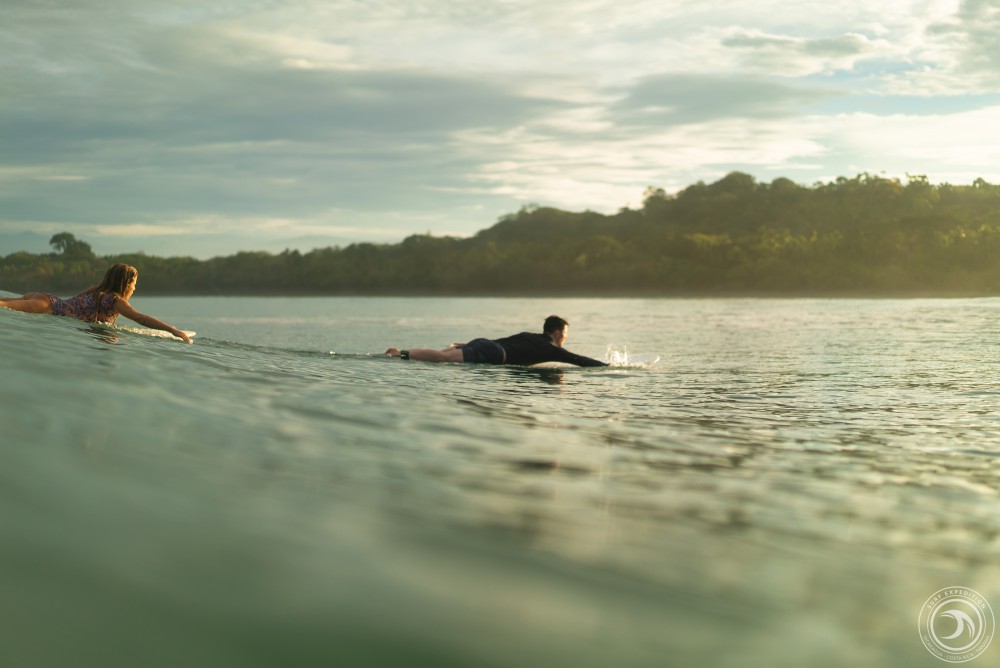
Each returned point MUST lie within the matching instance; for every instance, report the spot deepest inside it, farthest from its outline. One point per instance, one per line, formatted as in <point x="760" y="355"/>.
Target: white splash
<point x="623" y="358"/>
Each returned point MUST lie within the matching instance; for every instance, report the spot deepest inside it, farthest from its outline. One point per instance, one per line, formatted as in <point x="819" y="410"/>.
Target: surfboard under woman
<point x="102" y="303"/>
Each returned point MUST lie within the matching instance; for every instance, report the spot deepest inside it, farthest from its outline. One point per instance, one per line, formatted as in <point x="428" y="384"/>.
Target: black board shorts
<point x="483" y="351"/>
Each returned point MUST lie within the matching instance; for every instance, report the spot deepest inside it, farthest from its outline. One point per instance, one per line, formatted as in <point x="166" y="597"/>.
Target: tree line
<point x="865" y="235"/>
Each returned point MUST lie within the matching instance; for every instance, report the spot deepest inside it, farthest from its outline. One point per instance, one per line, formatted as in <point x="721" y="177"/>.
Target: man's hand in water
<point x="392" y="352"/>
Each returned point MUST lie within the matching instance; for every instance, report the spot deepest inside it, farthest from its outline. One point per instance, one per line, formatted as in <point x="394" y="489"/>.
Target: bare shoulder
<point x="122" y="306"/>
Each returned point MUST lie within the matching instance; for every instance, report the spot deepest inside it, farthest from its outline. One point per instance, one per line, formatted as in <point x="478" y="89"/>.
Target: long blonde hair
<point x="116" y="281"/>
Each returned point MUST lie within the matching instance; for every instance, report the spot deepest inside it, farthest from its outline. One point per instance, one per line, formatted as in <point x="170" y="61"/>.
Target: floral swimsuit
<point x="85" y="307"/>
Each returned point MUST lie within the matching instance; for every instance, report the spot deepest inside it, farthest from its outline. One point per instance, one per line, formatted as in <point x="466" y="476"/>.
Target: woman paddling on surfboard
<point x="102" y="303"/>
<point x="523" y="349"/>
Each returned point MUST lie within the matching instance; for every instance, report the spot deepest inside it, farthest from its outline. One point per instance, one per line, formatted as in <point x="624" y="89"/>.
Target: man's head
<point x="556" y="329"/>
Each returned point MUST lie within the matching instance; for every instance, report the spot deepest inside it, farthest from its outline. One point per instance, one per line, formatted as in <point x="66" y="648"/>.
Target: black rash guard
<point x="527" y="349"/>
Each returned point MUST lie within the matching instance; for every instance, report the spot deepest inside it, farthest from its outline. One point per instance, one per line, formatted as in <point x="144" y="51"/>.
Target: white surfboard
<point x="618" y="360"/>
<point x="146" y="331"/>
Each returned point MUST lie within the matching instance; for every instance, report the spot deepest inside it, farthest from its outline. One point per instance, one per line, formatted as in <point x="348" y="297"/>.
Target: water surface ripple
<point x="786" y="486"/>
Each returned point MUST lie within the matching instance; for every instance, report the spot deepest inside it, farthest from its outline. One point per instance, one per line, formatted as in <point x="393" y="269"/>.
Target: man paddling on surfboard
<point x="522" y="349"/>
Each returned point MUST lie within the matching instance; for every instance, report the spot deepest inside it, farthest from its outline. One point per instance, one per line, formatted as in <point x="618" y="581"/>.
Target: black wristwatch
<point x="404" y="354"/>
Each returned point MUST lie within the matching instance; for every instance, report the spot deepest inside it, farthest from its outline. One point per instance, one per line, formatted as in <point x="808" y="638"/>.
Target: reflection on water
<point x="786" y="486"/>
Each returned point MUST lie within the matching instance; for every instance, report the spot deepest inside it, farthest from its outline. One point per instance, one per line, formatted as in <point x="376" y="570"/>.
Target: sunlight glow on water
<point x="785" y="486"/>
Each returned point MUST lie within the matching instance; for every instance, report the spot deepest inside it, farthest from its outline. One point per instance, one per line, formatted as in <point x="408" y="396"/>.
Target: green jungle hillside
<point x="860" y="236"/>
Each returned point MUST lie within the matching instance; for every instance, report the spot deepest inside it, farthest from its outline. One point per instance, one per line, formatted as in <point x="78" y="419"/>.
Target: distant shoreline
<point x="560" y="294"/>
<point x="866" y="237"/>
<point x="873" y="295"/>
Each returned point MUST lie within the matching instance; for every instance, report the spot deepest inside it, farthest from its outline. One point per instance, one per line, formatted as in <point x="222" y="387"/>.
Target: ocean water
<point x="786" y="487"/>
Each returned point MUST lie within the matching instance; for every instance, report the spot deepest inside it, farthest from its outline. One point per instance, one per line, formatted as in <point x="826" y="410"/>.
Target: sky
<point x="207" y="128"/>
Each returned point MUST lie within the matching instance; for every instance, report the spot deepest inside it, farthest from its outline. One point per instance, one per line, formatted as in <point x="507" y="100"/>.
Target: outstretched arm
<point x="124" y="308"/>
<point x="579" y="360"/>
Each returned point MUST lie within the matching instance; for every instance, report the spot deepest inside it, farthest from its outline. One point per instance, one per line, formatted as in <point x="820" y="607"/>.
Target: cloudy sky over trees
<point x="204" y="128"/>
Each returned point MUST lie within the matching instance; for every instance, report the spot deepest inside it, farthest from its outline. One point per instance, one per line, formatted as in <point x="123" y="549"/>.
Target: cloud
<point x="783" y="54"/>
<point x="607" y="171"/>
<point x="676" y="99"/>
<point x="267" y="120"/>
<point x="202" y="119"/>
<point x="956" y="147"/>
<point x="967" y="43"/>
